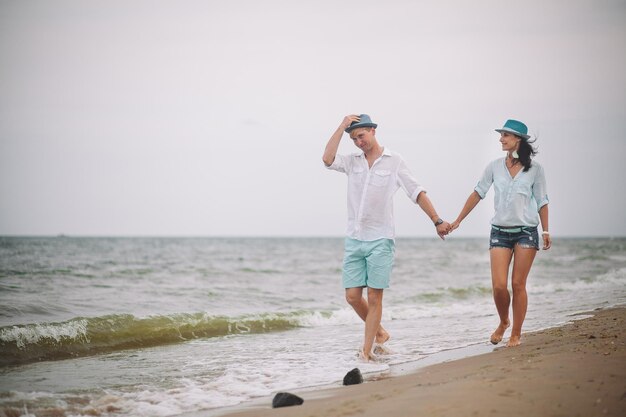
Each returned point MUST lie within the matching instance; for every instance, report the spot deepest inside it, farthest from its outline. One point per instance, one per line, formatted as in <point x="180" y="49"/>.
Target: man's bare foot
<point x="367" y="358"/>
<point x="382" y="336"/>
<point x="380" y="349"/>
<point x="496" y="337"/>
<point x="514" y="341"/>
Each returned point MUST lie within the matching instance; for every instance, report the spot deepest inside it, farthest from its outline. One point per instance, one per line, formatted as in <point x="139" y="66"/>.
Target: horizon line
<point x="303" y="236"/>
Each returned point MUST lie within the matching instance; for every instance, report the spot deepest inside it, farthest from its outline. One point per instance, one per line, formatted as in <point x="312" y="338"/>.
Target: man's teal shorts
<point x="368" y="264"/>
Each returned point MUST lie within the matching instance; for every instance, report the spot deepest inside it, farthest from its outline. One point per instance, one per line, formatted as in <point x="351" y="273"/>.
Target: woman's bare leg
<point x="500" y="261"/>
<point x="523" y="260"/>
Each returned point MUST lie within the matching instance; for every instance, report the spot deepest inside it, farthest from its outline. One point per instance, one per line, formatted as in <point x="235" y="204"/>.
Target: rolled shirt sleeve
<point x="540" y="188"/>
<point x="340" y="164"/>
<point x="485" y="182"/>
<point x="408" y="183"/>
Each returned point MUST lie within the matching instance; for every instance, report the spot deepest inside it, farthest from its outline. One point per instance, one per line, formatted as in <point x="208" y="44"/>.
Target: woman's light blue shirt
<point x="517" y="200"/>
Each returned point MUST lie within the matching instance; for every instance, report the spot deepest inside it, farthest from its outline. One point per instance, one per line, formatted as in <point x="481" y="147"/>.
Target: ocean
<point x="171" y="326"/>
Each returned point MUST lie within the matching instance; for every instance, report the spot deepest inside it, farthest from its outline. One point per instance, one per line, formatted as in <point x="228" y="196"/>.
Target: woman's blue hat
<point x="364" y="121"/>
<point x="516" y="127"/>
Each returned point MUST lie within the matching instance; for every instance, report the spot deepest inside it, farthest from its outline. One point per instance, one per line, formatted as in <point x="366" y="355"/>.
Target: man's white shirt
<point x="371" y="191"/>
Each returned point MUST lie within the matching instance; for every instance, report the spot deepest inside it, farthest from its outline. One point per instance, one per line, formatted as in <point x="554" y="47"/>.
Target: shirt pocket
<point x="357" y="171"/>
<point x="357" y="174"/>
<point x="522" y="187"/>
<point x="380" y="177"/>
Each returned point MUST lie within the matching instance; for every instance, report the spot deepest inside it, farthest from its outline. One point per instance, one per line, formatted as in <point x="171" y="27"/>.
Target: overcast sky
<point x="209" y="118"/>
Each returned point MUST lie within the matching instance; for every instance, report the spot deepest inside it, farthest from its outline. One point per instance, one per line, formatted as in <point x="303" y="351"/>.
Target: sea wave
<point x="88" y="336"/>
<point x="613" y="278"/>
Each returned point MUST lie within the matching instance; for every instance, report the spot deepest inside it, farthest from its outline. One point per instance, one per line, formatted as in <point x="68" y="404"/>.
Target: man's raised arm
<point x="333" y="143"/>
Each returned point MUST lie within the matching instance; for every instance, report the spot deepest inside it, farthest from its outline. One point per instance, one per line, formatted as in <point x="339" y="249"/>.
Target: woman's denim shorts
<point x="508" y="237"/>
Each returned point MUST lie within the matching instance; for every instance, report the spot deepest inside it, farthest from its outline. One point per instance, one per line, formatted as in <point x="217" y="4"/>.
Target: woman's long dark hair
<point x="526" y="151"/>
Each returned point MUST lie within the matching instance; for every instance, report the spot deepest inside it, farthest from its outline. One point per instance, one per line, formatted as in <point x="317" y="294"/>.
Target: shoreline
<point x="578" y="368"/>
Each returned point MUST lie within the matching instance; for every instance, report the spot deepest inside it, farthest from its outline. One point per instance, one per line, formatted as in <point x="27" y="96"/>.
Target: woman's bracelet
<point x="545" y="233"/>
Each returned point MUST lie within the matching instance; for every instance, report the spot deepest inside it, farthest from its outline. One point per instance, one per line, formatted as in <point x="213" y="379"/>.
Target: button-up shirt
<point x="518" y="199"/>
<point x="371" y="190"/>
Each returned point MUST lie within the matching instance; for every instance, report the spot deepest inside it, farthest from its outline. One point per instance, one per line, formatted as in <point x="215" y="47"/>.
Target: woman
<point x="521" y="202"/>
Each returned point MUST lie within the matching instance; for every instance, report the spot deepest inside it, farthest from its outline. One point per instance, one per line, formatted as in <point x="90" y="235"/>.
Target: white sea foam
<point x="334" y="318"/>
<point x="33" y="334"/>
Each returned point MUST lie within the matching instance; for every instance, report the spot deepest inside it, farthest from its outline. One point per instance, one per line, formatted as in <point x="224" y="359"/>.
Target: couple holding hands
<point x="376" y="173"/>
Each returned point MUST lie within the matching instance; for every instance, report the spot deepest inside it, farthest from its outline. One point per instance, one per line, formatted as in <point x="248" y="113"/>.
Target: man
<point x="374" y="175"/>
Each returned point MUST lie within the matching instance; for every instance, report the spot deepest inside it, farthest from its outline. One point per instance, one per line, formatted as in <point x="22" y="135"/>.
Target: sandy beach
<point x="578" y="369"/>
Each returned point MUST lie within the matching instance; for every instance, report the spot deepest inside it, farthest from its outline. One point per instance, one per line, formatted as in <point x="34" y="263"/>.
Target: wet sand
<point x="578" y="369"/>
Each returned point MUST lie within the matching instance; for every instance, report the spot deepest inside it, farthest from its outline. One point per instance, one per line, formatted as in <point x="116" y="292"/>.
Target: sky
<point x="209" y="118"/>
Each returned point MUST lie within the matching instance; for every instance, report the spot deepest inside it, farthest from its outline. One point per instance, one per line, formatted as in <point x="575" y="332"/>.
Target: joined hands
<point x="443" y="230"/>
<point x="446" y="228"/>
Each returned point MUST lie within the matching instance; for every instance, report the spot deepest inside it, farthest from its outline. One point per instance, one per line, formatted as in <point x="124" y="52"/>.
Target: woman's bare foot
<point x="514" y="341"/>
<point x="498" y="334"/>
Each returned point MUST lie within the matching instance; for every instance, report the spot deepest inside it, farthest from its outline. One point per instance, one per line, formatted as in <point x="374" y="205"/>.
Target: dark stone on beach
<point x="285" y="399"/>
<point x="353" y="377"/>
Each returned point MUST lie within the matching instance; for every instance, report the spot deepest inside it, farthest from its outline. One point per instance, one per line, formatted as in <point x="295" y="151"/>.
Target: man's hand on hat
<point x="347" y="121"/>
